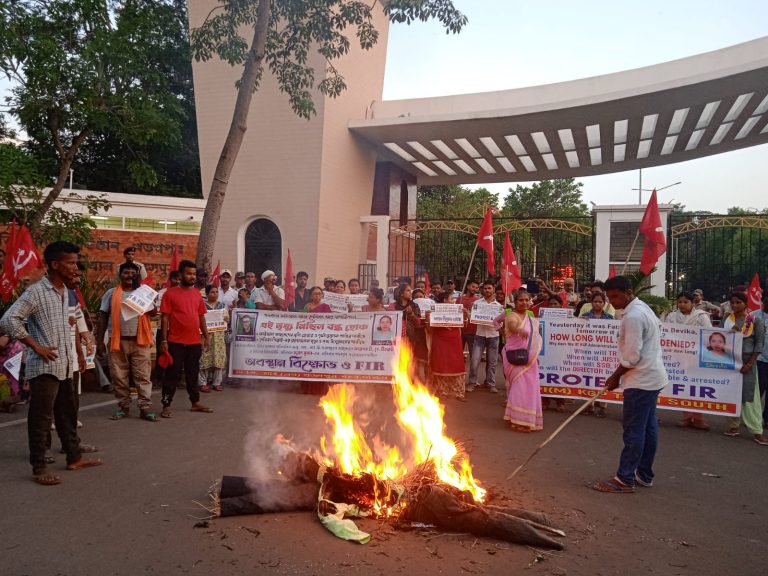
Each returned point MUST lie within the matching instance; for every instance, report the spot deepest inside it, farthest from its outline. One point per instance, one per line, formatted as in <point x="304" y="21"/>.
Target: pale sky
<point x="512" y="44"/>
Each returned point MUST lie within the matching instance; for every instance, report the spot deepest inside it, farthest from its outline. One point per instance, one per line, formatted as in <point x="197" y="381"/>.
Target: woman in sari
<point x="315" y="306"/>
<point x="753" y="337"/>
<point x="411" y="313"/>
<point x="523" y="394"/>
<point x="688" y="315"/>
<point x="446" y="360"/>
<point x="213" y="362"/>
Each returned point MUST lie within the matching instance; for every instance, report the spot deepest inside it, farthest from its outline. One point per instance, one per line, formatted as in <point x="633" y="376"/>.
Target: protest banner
<point x="447" y="316"/>
<point x="425" y="305"/>
<point x="337" y="302"/>
<point x="13" y="365"/>
<point x="577" y="356"/>
<point x="138" y="302"/>
<point x="215" y="321"/>
<point x="357" y="301"/>
<point x="357" y="347"/>
<point x="484" y="313"/>
<point x="555" y="313"/>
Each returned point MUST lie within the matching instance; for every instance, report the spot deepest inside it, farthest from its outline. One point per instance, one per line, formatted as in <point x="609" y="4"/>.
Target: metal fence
<point x="550" y="248"/>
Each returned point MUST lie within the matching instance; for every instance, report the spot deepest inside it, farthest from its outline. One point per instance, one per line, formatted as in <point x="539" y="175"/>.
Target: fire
<point x="419" y="414"/>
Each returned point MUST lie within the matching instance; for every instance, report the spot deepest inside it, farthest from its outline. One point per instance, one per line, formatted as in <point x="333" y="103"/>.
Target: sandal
<point x="149" y="416"/>
<point x="166" y="413"/>
<point x="613" y="486"/>
<point x="49" y="459"/>
<point x="200" y="408"/>
<point x="731" y="432"/>
<point x="46" y="479"/>
<point x="119" y="415"/>
<point x="698" y="425"/>
<point x="762" y="440"/>
<point x="218" y="388"/>
<point x="205" y="389"/>
<point x="84" y="463"/>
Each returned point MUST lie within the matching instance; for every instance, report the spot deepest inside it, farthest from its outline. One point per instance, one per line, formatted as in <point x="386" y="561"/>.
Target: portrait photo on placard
<point x="383" y="329"/>
<point x="716" y="349"/>
<point x="246" y="327"/>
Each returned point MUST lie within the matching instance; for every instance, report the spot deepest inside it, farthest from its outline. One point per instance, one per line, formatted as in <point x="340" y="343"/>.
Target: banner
<point x="357" y="347"/>
<point x="13" y="365"/>
<point x="337" y="302"/>
<point x="484" y="313"/>
<point x="138" y="302"/>
<point x="577" y="356"/>
<point x="555" y="312"/>
<point x="447" y="316"/>
<point x="357" y="301"/>
<point x="425" y="305"/>
<point x="215" y="321"/>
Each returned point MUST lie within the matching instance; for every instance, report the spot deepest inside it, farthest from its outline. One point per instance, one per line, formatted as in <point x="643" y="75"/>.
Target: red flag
<point x="511" y="278"/>
<point x="215" y="277"/>
<point x="8" y="279"/>
<point x="754" y="295"/>
<point x="655" y="243"/>
<point x="24" y="256"/>
<point x="174" y="265"/>
<point x="612" y="271"/>
<point x="485" y="241"/>
<point x="427" y="287"/>
<point x="148" y="281"/>
<point x="289" y="282"/>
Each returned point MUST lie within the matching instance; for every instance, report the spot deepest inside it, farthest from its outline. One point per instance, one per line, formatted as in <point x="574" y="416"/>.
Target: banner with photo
<point x="358" y="347"/>
<point x="578" y="355"/>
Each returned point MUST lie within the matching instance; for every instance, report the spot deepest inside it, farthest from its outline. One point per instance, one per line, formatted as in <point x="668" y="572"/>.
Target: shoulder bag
<point x="519" y="356"/>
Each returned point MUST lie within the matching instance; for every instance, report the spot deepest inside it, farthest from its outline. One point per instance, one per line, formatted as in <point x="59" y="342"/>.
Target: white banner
<point x="337" y="302"/>
<point x="555" y="313"/>
<point x="13" y="365"/>
<point x="215" y="321"/>
<point x="484" y="313"/>
<point x="138" y="302"/>
<point x="447" y="316"/>
<point x="425" y="305"/>
<point x="702" y="364"/>
<point x="357" y="347"/>
<point x="357" y="301"/>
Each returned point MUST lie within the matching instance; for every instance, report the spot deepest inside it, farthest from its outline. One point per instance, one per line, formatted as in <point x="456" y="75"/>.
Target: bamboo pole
<point x="629" y="254"/>
<point x="556" y="432"/>
<point x="466" y="278"/>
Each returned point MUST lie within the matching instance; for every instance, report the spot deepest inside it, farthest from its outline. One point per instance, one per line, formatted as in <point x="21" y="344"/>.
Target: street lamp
<point x="640" y="190"/>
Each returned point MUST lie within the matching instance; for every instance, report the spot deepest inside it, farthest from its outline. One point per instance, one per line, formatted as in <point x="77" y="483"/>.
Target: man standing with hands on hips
<point x="183" y="313"/>
<point x="642" y="374"/>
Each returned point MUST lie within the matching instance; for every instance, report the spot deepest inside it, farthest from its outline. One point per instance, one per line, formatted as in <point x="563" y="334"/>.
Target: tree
<point x="281" y="34"/>
<point x="22" y="193"/>
<point x="448" y="202"/>
<point x="80" y="67"/>
<point x="546" y="199"/>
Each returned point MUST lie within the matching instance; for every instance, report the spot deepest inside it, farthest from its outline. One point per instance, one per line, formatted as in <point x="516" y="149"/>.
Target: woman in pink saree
<point x="523" y="394"/>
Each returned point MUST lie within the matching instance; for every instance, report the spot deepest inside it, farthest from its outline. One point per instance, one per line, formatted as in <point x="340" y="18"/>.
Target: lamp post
<point x="640" y="190"/>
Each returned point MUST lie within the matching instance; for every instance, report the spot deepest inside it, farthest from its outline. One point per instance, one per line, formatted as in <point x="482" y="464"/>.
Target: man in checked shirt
<point x="44" y="307"/>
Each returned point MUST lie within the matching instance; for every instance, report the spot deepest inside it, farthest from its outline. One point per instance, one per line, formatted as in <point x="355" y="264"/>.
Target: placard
<point x="272" y="344"/>
<point x="425" y="305"/>
<point x="484" y="313"/>
<point x="337" y="302"/>
<point x="555" y="313"/>
<point x="215" y="321"/>
<point x="578" y="356"/>
<point x="13" y="365"/>
<point x="90" y="362"/>
<point x="138" y="302"/>
<point x="357" y="301"/>
<point x="447" y="316"/>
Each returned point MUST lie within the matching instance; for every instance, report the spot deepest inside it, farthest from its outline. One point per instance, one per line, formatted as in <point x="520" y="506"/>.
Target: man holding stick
<point x="642" y="374"/>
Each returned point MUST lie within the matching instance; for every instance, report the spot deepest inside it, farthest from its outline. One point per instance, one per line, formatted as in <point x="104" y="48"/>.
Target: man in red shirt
<point x="183" y="317"/>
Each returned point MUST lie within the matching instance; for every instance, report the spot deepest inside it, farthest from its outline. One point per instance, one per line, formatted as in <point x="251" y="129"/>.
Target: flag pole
<point x="466" y="278"/>
<point x="629" y="254"/>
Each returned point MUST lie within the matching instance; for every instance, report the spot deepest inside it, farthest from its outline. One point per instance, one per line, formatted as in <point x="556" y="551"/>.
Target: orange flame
<point x="419" y="414"/>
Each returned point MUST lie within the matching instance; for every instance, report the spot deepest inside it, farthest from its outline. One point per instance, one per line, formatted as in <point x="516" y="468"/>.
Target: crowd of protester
<point x="49" y="323"/>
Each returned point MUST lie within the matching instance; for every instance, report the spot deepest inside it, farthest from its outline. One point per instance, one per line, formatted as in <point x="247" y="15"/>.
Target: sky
<point x="512" y="44"/>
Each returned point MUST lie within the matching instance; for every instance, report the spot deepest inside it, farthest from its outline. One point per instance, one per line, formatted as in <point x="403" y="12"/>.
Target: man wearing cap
<point x="227" y="294"/>
<point x="130" y="254"/>
<point x="239" y="280"/>
<point x="700" y="304"/>
<point x="269" y="296"/>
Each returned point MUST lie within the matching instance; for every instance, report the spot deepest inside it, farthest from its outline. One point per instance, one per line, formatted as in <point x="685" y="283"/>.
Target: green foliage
<point x="658" y="304"/>
<point x="546" y="199"/>
<point x="82" y="67"/>
<point x="296" y="29"/>
<point x="450" y="202"/>
<point x="22" y="194"/>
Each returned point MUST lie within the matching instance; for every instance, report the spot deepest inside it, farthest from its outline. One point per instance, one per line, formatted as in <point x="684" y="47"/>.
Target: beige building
<point x="303" y="185"/>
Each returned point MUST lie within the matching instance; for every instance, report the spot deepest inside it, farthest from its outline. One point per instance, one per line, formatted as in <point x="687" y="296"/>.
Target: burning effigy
<point x="423" y="479"/>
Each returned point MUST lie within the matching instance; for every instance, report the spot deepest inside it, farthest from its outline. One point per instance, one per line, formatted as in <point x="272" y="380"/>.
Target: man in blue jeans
<point x="486" y="339"/>
<point x="642" y="374"/>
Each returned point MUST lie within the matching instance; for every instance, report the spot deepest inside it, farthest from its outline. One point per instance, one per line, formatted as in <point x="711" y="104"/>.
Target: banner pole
<point x="466" y="278"/>
<point x="629" y="254"/>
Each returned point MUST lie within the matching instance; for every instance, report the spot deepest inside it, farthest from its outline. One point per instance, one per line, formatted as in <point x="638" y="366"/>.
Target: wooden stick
<point x="629" y="254"/>
<point x="556" y="432"/>
<point x="466" y="278"/>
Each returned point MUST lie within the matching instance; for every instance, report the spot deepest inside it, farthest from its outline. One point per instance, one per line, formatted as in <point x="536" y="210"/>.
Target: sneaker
<point x="644" y="483"/>
<point x="469" y="388"/>
<point x="493" y="390"/>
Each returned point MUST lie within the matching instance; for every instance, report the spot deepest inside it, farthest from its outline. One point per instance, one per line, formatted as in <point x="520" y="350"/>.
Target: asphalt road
<point x="137" y="514"/>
